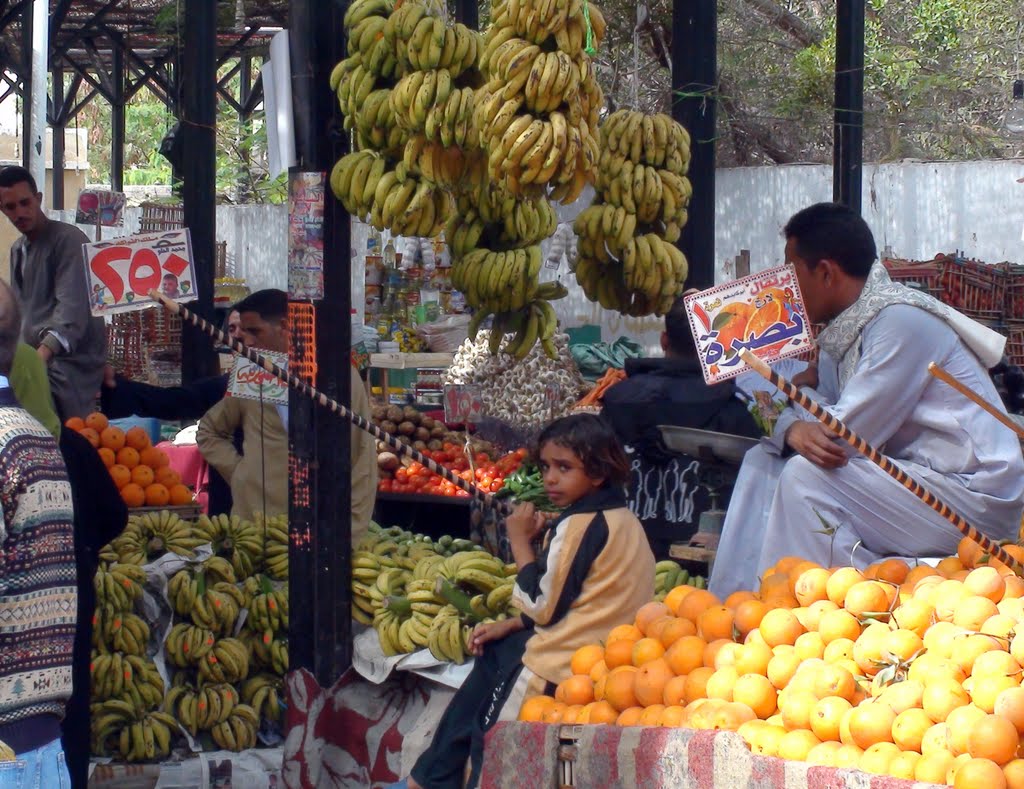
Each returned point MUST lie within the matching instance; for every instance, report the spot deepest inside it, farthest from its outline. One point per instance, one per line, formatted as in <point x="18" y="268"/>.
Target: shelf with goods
<point x="189" y="637"/>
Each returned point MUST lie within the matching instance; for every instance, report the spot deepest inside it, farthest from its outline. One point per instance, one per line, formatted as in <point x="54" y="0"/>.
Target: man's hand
<point x="816" y="443"/>
<point x="109" y="377"/>
<point x="44" y="353"/>
<point x="807" y="377"/>
<point x="493" y="631"/>
<point x="525" y="522"/>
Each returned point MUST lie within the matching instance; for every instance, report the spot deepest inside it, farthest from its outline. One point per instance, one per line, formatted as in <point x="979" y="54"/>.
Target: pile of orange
<point x="141" y="472"/>
<point x="913" y="672"/>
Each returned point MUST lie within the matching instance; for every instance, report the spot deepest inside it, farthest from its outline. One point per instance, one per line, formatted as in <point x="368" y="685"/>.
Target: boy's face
<point x="565" y="480"/>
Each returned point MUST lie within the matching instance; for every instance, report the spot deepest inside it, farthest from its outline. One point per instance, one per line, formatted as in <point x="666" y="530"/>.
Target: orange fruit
<point x="809" y="645"/>
<point x="142" y="476"/>
<point x="648" y="613"/>
<point x="753" y="658"/>
<point x="672" y="716"/>
<point x="712" y="649"/>
<point x="968" y="552"/>
<point x="826" y="716"/>
<point x="180" y="495"/>
<point x="75" y="423"/>
<point x="91" y="436"/>
<point x="895" y="571"/>
<point x="725" y="652"/>
<point x="133" y="495"/>
<point x="909" y="727"/>
<point x="958" y="727"/>
<point x="987" y="582"/>
<point x="157" y="495"/>
<point x="838" y="624"/>
<point x="619" y="653"/>
<point x="735" y="327"/>
<point x="676" y="596"/>
<point x="686" y="654"/>
<point x="618" y="688"/>
<point x="756" y="692"/>
<point x="839" y="583"/>
<point x="128" y="457"/>
<point x="915" y="615"/>
<point x="986" y="688"/>
<point x="978" y="774"/>
<point x="971" y="648"/>
<point x="675" y="691"/>
<point x="811" y="586"/>
<point x="941" y="697"/>
<point x="1014" y="773"/>
<point x="153" y="457"/>
<point x="624" y="632"/>
<point x="630" y="716"/>
<point x="137" y="439"/>
<point x="1010" y="705"/>
<point x="797" y="744"/>
<point x="695" y="603"/>
<point x="578" y="689"/>
<point x="599" y="670"/>
<point x="650" y="681"/>
<point x="901" y="696"/>
<point x="167" y="476"/>
<point x="932" y="768"/>
<point x="554" y="713"/>
<point x="780" y="626"/>
<point x="876" y="758"/>
<point x="866" y="597"/>
<point x="823" y="754"/>
<point x="96" y="421"/>
<point x="870" y="724"/>
<point x="584" y="658"/>
<point x="765" y="317"/>
<point x="697" y="683"/>
<point x="748" y="616"/>
<point x="534" y="708"/>
<point x="720" y="684"/>
<point x="645" y="650"/>
<point x="834" y="681"/>
<point x="676" y="629"/>
<point x="995" y="738"/>
<point x="107" y="456"/>
<point x="974" y="610"/>
<point x="112" y="438"/>
<point x="121" y="475"/>
<point x="601" y="712"/>
<point x="654" y="628"/>
<point x="715" y="622"/>
<point x="781" y="669"/>
<point x="570" y="713"/>
<point x="797" y="707"/>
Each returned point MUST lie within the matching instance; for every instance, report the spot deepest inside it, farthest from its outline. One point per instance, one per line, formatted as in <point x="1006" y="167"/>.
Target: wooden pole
<point x="946" y="378"/>
<point x="876" y="457"/>
<point x="316" y="396"/>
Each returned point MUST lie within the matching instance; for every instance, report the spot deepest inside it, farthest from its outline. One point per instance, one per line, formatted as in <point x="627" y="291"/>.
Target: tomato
<point x="521" y="453"/>
<point x="486" y="481"/>
<point x="401" y="476"/>
<point x="385" y="486"/>
<point x="414" y="467"/>
<point x="497" y="485"/>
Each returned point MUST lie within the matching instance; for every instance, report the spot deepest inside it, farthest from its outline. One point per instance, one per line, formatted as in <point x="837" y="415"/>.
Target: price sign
<point x="121" y="272"/>
<point x="763" y="313"/>
<point x="251" y="382"/>
<point x="462" y="404"/>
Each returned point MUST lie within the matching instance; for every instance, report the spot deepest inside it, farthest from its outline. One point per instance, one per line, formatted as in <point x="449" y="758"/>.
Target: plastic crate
<point x="1014" y="352"/>
<point x="976" y="289"/>
<point x="925" y="276"/>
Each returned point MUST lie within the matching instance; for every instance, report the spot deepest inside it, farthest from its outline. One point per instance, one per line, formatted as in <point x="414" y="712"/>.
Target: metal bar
<point x="26" y="83"/>
<point x="11" y="14"/>
<point x="230" y="100"/>
<point x="106" y="79"/>
<point x="199" y="190"/>
<point x="238" y="46"/>
<point x="58" y="16"/>
<point x="694" y="103"/>
<point x="89" y="28"/>
<point x="468" y="12"/>
<point x="840" y="429"/>
<point x="63" y="114"/>
<point x="224" y="80"/>
<point x="82" y="104"/>
<point x="59" y="100"/>
<point x="848" y="131"/>
<point x="80" y="69"/>
<point x="316" y="44"/>
<point x="117" y="122"/>
<point x="255" y="96"/>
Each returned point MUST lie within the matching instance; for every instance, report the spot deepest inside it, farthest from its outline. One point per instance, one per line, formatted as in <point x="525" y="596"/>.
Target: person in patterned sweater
<point x="38" y="601"/>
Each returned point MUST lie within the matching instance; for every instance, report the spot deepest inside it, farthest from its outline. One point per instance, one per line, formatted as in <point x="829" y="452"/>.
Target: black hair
<point x="10" y="327"/>
<point x="594" y="442"/>
<point x="832" y="231"/>
<point x="12" y="175"/>
<point x="679" y="331"/>
<point x="271" y="304"/>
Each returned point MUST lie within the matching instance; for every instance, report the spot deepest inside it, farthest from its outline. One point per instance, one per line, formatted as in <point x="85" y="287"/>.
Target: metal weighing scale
<point x="715" y="451"/>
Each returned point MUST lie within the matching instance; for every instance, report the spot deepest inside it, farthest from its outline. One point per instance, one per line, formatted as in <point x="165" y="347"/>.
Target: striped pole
<point x="331" y="405"/>
<point x="989" y="546"/>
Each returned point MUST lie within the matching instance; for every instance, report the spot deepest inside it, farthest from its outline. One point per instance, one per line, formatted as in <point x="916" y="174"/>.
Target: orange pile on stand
<point x="908" y="671"/>
<point x="141" y="472"/>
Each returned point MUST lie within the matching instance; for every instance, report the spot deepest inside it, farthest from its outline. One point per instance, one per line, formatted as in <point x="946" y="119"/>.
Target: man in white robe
<point x="804" y="492"/>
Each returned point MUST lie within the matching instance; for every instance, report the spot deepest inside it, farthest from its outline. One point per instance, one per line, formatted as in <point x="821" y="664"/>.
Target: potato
<point x="420" y="445"/>
<point x="407" y="428"/>
<point x="428" y="422"/>
<point x="435" y="444"/>
<point x="388" y="461"/>
<point x="422" y="434"/>
<point x="411" y="415"/>
<point x="389" y="427"/>
<point x="379" y="413"/>
<point x="395" y="414"/>
<point x="438" y="432"/>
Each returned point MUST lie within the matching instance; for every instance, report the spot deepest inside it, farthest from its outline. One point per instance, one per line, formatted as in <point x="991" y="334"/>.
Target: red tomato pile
<point x="489" y="475"/>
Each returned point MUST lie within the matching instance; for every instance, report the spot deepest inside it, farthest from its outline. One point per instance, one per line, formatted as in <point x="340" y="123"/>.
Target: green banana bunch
<point x="186" y="644"/>
<point x="279" y="656"/>
<point x="237" y="540"/>
<point x="269" y="611"/>
<point x="214" y="704"/>
<point x="263" y="692"/>
<point x="182" y="702"/>
<point x="275" y="530"/>
<point x="130" y="678"/>
<point x="118" y="585"/>
<point x="228" y="661"/>
<point x="150" y="535"/>
<point x="238" y="731"/>
<point x="137" y="735"/>
<point x="445" y="639"/>
<point x="217" y="569"/>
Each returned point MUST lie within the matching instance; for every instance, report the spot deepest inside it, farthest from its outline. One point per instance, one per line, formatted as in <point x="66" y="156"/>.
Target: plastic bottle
<point x="389" y="255"/>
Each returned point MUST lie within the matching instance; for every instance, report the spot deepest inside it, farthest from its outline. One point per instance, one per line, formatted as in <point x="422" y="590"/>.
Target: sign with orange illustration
<point x="763" y="313"/>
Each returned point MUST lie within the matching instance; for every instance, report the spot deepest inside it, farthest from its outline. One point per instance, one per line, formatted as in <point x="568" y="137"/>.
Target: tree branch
<point x="787" y="21"/>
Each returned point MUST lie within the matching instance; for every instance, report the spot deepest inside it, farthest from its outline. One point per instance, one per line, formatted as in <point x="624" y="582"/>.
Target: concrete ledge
<point x="610" y="757"/>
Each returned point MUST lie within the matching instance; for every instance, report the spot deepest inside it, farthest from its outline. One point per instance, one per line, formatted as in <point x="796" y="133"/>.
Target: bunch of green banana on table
<point x="138" y="736"/>
<point x="275" y="531"/>
<point x="203" y="708"/>
<point x="269" y="611"/>
<point x="227" y="661"/>
<point x="526" y="485"/>
<point x="263" y="692"/>
<point x="118" y="585"/>
<point x="237" y="540"/>
<point x="187" y="644"/>
<point x="238" y="731"/>
<point x="669" y="574"/>
<point x="114" y="630"/>
<point x="127" y="677"/>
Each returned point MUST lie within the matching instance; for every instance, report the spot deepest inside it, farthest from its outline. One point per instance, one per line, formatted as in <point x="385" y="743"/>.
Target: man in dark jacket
<point x="665" y="493"/>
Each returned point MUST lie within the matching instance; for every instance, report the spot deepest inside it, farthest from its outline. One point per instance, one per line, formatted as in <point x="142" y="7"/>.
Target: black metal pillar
<point x="26" y="86"/>
<point x="468" y="12"/>
<point x="848" y="135"/>
<point x="694" y="99"/>
<point x="320" y="510"/>
<point x="57" y="183"/>
<point x="117" y="121"/>
<point x="199" y="190"/>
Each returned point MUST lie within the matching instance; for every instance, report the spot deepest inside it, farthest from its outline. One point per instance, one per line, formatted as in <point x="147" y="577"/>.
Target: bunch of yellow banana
<point x="498" y="281"/>
<point x="234" y="538"/>
<point x="279" y="656"/>
<point x="515" y="223"/>
<point x="182" y="591"/>
<point x="433" y="162"/>
<point x="646" y="281"/>
<point x="228" y="661"/>
<point x="187" y="644"/>
<point x="217" y="569"/>
<point x="238" y="731"/>
<point x="217" y="608"/>
<point x="389" y="627"/>
<point x="418" y="91"/>
<point x="129" y="677"/>
<point x="182" y="701"/>
<point x="275" y="531"/>
<point x="269" y="611"/>
<point x="122" y="631"/>
<point x="652" y="195"/>
<point x="655" y="140"/>
<point x="448" y="638"/>
<point x="152" y="534"/>
<point x="424" y="42"/>
<point x="137" y="735"/>
<point x="539" y="20"/>
<point x="263" y="692"/>
<point x="258" y="645"/>
<point x="118" y="585"/>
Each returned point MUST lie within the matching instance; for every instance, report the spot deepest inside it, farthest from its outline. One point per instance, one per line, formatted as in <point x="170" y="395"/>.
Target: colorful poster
<point x="121" y="272"/>
<point x="251" y="382"/>
<point x="463" y="404"/>
<point x="100" y="205"/>
<point x="306" y="236"/>
<point x="763" y="312"/>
